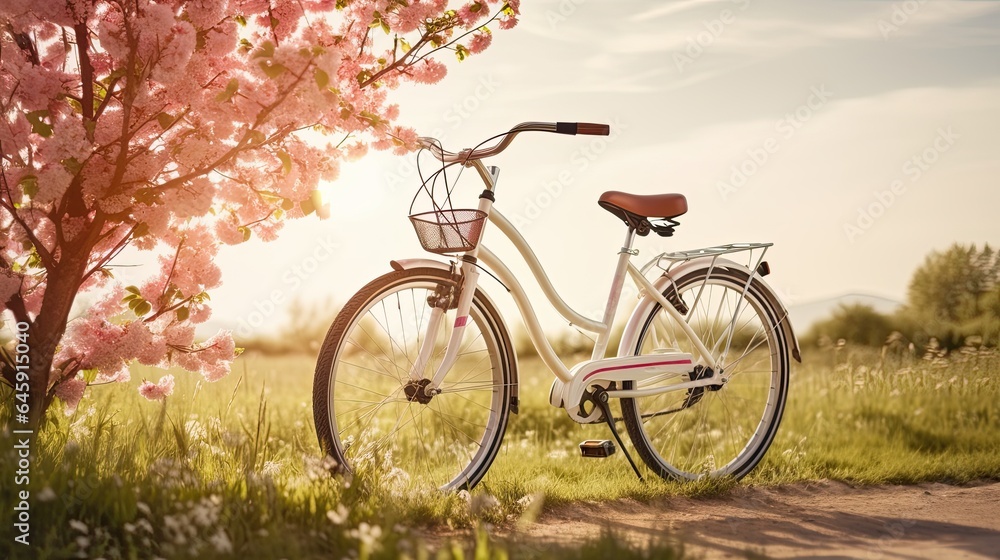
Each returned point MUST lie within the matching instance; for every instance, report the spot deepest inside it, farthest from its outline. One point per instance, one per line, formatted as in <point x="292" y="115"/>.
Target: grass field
<point x="233" y="468"/>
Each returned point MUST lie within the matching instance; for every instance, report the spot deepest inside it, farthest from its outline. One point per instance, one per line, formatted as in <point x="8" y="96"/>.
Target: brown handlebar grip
<point x="593" y="129"/>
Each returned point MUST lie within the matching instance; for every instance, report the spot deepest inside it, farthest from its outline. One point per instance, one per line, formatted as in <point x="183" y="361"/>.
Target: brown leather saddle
<point x="645" y="213"/>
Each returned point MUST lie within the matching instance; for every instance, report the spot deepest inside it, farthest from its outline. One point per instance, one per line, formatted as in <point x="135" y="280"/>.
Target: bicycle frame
<point x="615" y="369"/>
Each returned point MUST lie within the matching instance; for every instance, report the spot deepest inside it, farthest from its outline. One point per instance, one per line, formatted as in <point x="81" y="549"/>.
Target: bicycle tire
<point x="416" y="446"/>
<point x="680" y="434"/>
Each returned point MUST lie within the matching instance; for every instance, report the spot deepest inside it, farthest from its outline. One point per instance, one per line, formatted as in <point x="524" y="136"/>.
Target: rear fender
<point x="633" y="327"/>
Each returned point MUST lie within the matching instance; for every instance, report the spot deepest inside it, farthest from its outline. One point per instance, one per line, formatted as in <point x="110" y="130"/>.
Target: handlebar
<point x="468" y="154"/>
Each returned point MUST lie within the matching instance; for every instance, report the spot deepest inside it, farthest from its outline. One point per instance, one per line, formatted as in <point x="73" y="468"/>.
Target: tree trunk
<point x="47" y="331"/>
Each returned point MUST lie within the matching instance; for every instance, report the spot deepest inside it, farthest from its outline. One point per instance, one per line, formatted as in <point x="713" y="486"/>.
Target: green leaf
<point x="461" y="52"/>
<point x="143" y="308"/>
<point x="72" y="165"/>
<point x="38" y="124"/>
<point x="134" y="302"/>
<point x="245" y="45"/>
<point x="374" y="120"/>
<point x="256" y="137"/>
<point x="241" y="20"/>
<point x="385" y="27"/>
<point x="376" y="20"/>
<point x="165" y="120"/>
<point x="272" y="69"/>
<point x="247" y="232"/>
<point x="322" y="78"/>
<point x="231" y="88"/>
<point x="287" y="204"/>
<point x="266" y="50"/>
<point x="89" y="375"/>
<point x="132" y="290"/>
<point x="307" y="207"/>
<point x="270" y="196"/>
<point x="286" y="161"/>
<point x="129" y="297"/>
<point x="183" y="313"/>
<point x="29" y="185"/>
<point x="404" y="45"/>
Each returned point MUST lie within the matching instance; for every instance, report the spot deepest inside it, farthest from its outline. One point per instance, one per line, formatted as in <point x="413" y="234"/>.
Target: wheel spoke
<point x="715" y="430"/>
<point x="446" y="441"/>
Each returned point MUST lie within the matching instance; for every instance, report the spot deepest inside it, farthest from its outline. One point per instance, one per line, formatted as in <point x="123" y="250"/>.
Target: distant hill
<point x="804" y="315"/>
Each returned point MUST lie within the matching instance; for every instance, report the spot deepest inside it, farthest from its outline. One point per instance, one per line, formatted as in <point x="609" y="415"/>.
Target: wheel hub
<point x="416" y="391"/>
<point x="695" y="394"/>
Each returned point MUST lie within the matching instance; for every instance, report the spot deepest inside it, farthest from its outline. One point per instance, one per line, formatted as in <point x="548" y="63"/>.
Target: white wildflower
<point x="220" y="540"/>
<point x="339" y="516"/>
<point x="367" y="535"/>
<point x="46" y="495"/>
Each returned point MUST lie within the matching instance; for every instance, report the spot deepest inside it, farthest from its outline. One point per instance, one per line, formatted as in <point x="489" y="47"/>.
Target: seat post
<point x="624" y="254"/>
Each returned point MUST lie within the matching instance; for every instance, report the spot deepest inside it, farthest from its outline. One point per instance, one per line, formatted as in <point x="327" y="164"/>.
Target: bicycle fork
<point x="470" y="279"/>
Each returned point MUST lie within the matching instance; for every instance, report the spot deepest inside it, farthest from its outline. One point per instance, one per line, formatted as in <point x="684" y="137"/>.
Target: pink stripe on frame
<point x="633" y="366"/>
<point x="461" y="321"/>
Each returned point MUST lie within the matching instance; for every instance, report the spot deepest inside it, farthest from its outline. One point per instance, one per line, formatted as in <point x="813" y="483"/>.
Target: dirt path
<point x="827" y="519"/>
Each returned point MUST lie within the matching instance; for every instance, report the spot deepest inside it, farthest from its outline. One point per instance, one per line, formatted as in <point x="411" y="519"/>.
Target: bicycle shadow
<point x="790" y="522"/>
<point x="838" y="535"/>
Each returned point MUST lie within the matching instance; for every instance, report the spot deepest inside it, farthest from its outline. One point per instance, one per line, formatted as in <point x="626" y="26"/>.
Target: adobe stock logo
<point x="786" y="127"/>
<point x="900" y="16"/>
<point x="913" y="168"/>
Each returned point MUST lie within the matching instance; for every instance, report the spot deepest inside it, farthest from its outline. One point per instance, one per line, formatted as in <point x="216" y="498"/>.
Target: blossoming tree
<point x="176" y="126"/>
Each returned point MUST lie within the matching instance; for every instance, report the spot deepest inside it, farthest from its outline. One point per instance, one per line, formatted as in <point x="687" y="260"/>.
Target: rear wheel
<point x="367" y="410"/>
<point x="724" y="429"/>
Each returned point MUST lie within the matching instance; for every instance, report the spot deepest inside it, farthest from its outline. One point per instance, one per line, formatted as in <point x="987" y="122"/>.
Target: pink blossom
<point x="404" y="139"/>
<point x="429" y="72"/>
<point x="479" y="42"/>
<point x="212" y="359"/>
<point x="354" y="152"/>
<point x="207" y="137"/>
<point x="70" y="391"/>
<point x="157" y="391"/>
<point x="472" y="12"/>
<point x="410" y="17"/>
<point x="508" y="23"/>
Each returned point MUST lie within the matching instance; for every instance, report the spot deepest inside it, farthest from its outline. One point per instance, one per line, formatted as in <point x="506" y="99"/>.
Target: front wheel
<point x="717" y="430"/>
<point x="365" y="406"/>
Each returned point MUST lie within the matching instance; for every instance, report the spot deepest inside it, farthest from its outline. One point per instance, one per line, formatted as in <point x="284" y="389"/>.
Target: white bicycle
<point x="418" y="370"/>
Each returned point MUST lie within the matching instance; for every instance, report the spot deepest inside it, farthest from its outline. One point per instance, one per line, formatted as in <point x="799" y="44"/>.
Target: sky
<point x="855" y="136"/>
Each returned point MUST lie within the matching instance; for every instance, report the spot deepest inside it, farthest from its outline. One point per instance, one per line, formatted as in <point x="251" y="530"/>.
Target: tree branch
<point x="86" y="77"/>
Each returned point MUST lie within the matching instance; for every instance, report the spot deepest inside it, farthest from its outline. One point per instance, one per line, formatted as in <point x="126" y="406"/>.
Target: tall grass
<point x="233" y="468"/>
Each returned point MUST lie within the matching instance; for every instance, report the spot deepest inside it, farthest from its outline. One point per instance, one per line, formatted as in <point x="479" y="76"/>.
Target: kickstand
<point x="600" y="399"/>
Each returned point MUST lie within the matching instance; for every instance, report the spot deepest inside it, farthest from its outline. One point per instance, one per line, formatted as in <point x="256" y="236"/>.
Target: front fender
<point x="407" y="264"/>
<point x="630" y="335"/>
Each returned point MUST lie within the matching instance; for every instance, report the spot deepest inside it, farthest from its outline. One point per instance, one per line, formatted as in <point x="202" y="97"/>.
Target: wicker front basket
<point x="449" y="231"/>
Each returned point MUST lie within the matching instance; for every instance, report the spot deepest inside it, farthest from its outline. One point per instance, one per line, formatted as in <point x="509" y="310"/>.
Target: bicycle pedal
<point x="597" y="448"/>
